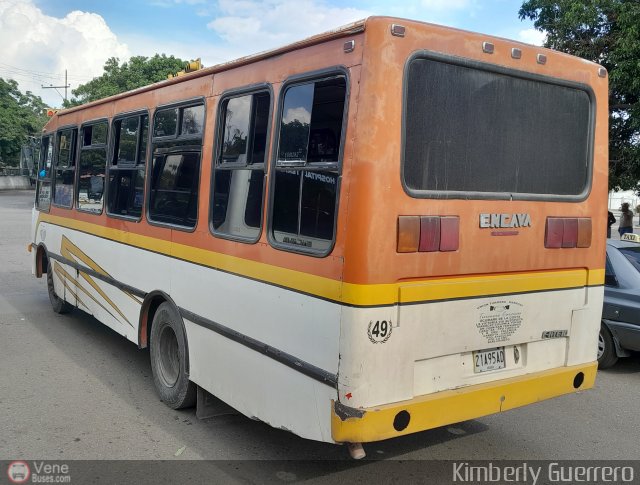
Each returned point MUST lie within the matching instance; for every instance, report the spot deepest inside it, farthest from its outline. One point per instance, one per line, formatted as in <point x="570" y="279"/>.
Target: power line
<point x="66" y="86"/>
<point x="27" y="74"/>
<point x="38" y="78"/>
<point x="41" y="73"/>
<point x="33" y="84"/>
<point x="27" y="78"/>
<point x="44" y="74"/>
<point x="35" y="81"/>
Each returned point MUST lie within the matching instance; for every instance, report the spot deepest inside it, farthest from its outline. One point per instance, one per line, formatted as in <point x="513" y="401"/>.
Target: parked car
<point x="620" y="328"/>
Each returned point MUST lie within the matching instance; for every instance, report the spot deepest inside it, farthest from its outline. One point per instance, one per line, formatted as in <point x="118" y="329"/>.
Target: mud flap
<point x="209" y="406"/>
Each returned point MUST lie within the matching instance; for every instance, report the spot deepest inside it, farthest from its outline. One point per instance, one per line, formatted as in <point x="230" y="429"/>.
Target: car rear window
<point x="633" y="255"/>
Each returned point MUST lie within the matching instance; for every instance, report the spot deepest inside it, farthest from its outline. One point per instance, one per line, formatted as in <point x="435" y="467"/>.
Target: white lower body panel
<point x="260" y="387"/>
<point x="431" y="346"/>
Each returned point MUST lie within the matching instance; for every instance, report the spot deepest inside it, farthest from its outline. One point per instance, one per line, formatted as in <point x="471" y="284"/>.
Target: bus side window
<point x="127" y="166"/>
<point x="307" y="169"/>
<point x="65" y="168"/>
<point x="93" y="160"/>
<point x="175" y="168"/>
<point x="239" y="166"/>
<point x="43" y="185"/>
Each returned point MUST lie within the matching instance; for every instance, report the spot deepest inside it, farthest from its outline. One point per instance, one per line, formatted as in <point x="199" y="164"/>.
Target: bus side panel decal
<point x="285" y="358"/>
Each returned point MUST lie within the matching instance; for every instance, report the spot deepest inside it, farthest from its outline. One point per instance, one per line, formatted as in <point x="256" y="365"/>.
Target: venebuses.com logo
<point x="18" y="472"/>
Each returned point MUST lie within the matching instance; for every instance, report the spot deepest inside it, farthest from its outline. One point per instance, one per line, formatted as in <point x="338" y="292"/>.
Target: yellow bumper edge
<point x="349" y="425"/>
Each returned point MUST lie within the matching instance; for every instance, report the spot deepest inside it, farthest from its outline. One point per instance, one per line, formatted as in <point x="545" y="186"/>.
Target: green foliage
<point x="21" y="116"/>
<point x="294" y="139"/>
<point x="235" y="145"/>
<point x="137" y="72"/>
<point x="606" y="32"/>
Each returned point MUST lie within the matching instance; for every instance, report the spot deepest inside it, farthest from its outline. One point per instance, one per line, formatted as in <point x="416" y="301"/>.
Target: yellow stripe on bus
<point x="305" y="282"/>
<point x="448" y="288"/>
<point x="349" y="293"/>
<point x="126" y="237"/>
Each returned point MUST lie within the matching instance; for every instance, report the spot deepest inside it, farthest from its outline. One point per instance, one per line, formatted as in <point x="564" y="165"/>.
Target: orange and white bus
<point x="376" y="231"/>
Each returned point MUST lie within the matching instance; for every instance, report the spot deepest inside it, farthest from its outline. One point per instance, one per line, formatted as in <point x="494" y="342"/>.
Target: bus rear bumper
<point x="454" y="406"/>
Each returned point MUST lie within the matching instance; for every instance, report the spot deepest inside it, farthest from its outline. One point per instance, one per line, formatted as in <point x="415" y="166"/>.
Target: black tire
<point x="606" y="348"/>
<point x="59" y="305"/>
<point x="168" y="345"/>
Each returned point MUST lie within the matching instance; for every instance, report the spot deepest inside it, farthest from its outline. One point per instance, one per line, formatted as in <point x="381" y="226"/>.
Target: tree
<point x="137" y="72"/>
<point x="606" y="32"/>
<point x="294" y="137"/>
<point x="21" y="116"/>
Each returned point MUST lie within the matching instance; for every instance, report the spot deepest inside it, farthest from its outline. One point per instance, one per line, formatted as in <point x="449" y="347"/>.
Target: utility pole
<point x="66" y="85"/>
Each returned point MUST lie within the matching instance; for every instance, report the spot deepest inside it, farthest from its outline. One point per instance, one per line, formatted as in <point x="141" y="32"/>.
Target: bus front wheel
<point x="59" y="304"/>
<point x="168" y="344"/>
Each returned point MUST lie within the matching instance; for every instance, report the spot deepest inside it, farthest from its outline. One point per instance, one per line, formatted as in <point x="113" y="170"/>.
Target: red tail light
<point x="553" y="233"/>
<point x="449" y="233"/>
<point x="570" y="235"/>
<point x="408" y="234"/>
<point x="584" y="232"/>
<point x="567" y="232"/>
<point x="428" y="233"/>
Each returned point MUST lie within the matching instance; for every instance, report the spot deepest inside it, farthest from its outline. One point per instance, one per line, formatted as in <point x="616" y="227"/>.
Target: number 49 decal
<point x="379" y="331"/>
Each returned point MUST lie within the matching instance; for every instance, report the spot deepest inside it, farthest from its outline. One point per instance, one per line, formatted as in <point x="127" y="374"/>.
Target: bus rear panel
<point x="475" y="255"/>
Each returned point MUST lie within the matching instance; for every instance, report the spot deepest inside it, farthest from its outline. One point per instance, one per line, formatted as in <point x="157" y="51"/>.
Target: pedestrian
<point x="626" y="220"/>
<point x="610" y="222"/>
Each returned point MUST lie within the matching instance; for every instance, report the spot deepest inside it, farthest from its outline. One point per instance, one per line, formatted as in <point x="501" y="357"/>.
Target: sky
<point x="42" y="38"/>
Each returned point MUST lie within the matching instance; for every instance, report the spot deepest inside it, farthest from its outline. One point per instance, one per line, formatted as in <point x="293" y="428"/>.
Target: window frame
<point x="295" y="80"/>
<point x="93" y="147"/>
<point x="507" y="71"/>
<point x="111" y="155"/>
<point x="227" y="96"/>
<point x="74" y="149"/>
<point x="187" y="103"/>
<point x="52" y="141"/>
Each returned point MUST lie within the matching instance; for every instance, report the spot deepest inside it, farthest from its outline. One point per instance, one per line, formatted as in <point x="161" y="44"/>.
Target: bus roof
<point x="345" y="30"/>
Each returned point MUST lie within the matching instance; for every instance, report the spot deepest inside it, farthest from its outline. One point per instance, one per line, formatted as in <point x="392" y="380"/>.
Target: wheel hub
<point x="169" y="357"/>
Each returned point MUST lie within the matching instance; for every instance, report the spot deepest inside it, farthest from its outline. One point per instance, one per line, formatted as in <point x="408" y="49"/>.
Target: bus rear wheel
<point x="168" y="345"/>
<point x="59" y="304"/>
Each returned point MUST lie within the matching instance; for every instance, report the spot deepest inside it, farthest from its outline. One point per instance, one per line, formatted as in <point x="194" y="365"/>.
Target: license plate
<point x="489" y="359"/>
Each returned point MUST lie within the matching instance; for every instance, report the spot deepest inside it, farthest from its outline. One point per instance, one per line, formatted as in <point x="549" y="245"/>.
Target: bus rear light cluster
<point x="428" y="233"/>
<point x="568" y="232"/>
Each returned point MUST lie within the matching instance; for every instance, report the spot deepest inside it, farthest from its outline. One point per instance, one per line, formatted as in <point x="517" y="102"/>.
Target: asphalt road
<point x="70" y="388"/>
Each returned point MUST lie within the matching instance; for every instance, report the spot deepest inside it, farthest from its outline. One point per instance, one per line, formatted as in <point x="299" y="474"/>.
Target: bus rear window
<point x="476" y="133"/>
